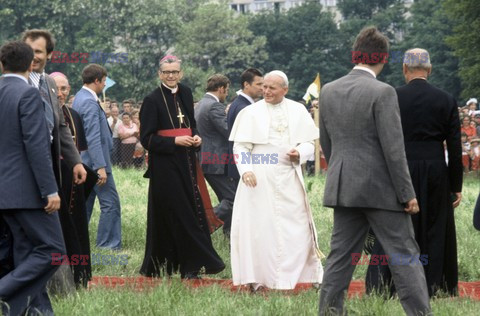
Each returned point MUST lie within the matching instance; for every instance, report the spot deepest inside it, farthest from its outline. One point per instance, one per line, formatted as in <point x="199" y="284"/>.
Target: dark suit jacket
<point x="97" y="131"/>
<point x="26" y="175"/>
<point x="63" y="144"/>
<point x="361" y="136"/>
<point x="431" y="115"/>
<point x="212" y="127"/>
<point x="237" y="105"/>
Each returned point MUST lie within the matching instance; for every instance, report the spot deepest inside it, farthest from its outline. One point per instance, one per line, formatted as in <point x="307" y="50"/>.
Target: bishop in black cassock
<point x="429" y="118"/>
<point x="178" y="236"/>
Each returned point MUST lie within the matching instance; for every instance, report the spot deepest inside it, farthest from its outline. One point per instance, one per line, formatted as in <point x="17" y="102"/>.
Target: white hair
<point x="417" y="58"/>
<point x="280" y="74"/>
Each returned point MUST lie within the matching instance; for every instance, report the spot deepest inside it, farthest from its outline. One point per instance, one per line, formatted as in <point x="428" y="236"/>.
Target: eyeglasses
<point x="173" y="72"/>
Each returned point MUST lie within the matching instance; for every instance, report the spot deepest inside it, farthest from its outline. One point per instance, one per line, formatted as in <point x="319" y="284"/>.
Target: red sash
<point x="213" y="221"/>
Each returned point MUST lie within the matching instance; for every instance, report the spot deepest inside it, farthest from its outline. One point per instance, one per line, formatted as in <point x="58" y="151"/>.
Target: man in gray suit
<point x="368" y="182"/>
<point x="43" y="43"/>
<point x="212" y="127"/>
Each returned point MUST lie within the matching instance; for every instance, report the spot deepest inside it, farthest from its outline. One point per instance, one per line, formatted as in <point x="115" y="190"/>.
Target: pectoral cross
<point x="180" y="116"/>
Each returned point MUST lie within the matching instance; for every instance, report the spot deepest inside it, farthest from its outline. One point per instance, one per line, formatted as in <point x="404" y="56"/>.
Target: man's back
<point x="431" y="115"/>
<point x="25" y="169"/>
<point x="361" y="135"/>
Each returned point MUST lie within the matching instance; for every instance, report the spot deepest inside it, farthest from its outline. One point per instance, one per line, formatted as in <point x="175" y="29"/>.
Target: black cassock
<point x="73" y="214"/>
<point x="178" y="236"/>
<point x="430" y="117"/>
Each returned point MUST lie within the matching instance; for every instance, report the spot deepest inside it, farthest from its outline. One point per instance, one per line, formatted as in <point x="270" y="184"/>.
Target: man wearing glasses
<point x="178" y="236"/>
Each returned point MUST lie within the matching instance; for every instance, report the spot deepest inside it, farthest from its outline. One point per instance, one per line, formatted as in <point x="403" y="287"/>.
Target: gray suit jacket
<point x="26" y="175"/>
<point x="212" y="127"/>
<point x="361" y="137"/>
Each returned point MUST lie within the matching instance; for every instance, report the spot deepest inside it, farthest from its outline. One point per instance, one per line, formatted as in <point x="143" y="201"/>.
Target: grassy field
<point x="175" y="298"/>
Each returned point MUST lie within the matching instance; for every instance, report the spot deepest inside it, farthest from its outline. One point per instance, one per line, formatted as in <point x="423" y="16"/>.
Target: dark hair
<point x="370" y="41"/>
<point x="35" y="34"/>
<point x="16" y="56"/>
<point x="92" y="72"/>
<point x="128" y="114"/>
<point x="249" y="75"/>
<point x="217" y="81"/>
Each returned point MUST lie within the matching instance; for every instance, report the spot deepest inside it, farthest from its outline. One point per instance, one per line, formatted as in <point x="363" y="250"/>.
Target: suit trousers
<point x="109" y="233"/>
<point x="37" y="235"/>
<point x="224" y="188"/>
<point x="395" y="232"/>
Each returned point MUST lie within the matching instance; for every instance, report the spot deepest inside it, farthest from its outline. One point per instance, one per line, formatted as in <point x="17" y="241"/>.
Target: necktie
<point x="43" y="88"/>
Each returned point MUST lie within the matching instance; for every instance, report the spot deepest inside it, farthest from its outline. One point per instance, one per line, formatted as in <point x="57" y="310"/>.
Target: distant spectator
<point x="465" y="153"/>
<point x="127" y="106"/>
<point x="128" y="133"/>
<point x="139" y="152"/>
<point x="467" y="128"/>
<point x="472" y="107"/>
<point x="113" y="122"/>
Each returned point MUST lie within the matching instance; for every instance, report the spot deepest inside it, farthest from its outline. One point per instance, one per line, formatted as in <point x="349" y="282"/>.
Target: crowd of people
<point x="395" y="186"/>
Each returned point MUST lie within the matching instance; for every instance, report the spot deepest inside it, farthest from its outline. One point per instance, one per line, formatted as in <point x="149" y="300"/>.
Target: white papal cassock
<point x="273" y="237"/>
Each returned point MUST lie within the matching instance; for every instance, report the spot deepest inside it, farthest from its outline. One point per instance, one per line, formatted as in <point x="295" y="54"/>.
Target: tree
<point x="216" y="40"/>
<point x="301" y="42"/>
<point x="465" y="41"/>
<point x="429" y="27"/>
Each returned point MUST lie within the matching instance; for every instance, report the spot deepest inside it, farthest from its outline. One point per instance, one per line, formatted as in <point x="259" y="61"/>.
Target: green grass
<point x="175" y="298"/>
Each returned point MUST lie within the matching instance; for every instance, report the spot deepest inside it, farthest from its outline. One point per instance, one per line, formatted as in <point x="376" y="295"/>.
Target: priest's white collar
<point x="367" y="70"/>
<point x="214" y="96"/>
<point x="174" y="90"/>
<point x="246" y="96"/>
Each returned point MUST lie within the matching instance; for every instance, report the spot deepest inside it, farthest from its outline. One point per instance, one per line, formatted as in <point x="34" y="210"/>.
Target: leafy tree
<point x="428" y="29"/>
<point x="216" y="40"/>
<point x="301" y="42"/>
<point x="465" y="41"/>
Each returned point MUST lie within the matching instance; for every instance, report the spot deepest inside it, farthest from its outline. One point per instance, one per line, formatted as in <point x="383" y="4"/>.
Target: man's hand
<point x="249" y="179"/>
<point x="458" y="199"/>
<point x="79" y="174"/>
<point x="102" y="176"/>
<point x="53" y="204"/>
<point x="412" y="207"/>
<point x="185" y="141"/>
<point x="294" y="155"/>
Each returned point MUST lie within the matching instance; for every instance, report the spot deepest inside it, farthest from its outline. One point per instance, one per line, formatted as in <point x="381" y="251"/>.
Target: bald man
<point x="429" y="118"/>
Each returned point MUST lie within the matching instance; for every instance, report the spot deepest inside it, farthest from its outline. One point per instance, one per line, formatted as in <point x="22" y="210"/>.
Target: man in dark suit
<point x="43" y="43"/>
<point x="429" y="118"/>
<point x="29" y="191"/>
<point x="212" y="127"/>
<point x="97" y="157"/>
<point x="252" y="89"/>
<point x="368" y="183"/>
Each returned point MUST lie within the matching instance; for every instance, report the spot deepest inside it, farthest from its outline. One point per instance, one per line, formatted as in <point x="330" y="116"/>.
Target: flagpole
<point x="316" y="118"/>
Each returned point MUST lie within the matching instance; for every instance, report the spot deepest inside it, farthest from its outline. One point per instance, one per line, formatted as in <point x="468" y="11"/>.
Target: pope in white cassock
<point x="273" y="237"/>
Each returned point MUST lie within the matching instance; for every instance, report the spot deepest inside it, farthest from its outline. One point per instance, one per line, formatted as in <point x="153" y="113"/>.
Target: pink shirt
<point x="125" y="130"/>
